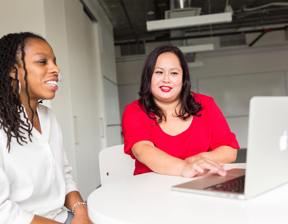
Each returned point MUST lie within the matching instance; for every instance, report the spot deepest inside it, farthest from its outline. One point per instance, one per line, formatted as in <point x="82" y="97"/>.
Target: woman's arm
<point x="222" y="154"/>
<point x="72" y="198"/>
<point x="163" y="163"/>
<point x="157" y="160"/>
<point x="71" y="202"/>
<point x="75" y="203"/>
<point x="41" y="220"/>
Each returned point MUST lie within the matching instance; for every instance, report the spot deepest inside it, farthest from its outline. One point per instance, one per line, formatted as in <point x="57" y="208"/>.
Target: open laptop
<point x="267" y="155"/>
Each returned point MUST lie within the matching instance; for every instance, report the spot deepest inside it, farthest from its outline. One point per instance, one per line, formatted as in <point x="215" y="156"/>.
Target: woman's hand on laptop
<point x="198" y="166"/>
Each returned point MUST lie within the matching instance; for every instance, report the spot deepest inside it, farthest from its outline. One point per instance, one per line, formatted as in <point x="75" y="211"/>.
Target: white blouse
<point x="35" y="177"/>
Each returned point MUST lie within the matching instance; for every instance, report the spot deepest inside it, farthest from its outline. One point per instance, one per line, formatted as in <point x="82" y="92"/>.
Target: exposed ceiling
<point x="129" y="17"/>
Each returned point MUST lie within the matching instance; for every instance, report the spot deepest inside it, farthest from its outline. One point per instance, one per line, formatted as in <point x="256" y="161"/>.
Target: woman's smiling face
<point x="42" y="70"/>
<point x="166" y="82"/>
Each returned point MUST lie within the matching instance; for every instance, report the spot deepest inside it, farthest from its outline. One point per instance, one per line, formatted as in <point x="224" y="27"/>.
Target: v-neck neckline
<point x="35" y="132"/>
<point x="40" y="124"/>
<point x="181" y="133"/>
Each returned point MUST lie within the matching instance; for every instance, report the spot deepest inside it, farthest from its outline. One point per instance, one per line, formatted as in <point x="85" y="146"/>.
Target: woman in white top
<point x="35" y="177"/>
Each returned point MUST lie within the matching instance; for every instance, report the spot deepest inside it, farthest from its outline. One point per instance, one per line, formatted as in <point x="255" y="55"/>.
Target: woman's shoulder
<point x="135" y="110"/>
<point x="134" y="106"/>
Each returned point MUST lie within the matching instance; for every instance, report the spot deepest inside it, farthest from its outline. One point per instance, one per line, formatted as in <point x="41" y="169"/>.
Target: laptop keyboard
<point x="235" y="185"/>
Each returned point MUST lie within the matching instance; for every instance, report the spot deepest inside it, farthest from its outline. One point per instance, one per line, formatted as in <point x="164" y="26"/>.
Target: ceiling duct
<point x="183" y="16"/>
<point x="184" y="9"/>
<point x="180" y="4"/>
<point x="178" y="13"/>
<point x="181" y="8"/>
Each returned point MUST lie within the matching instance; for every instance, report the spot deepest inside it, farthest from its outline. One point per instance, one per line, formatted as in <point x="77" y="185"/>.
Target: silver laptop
<point x="267" y="155"/>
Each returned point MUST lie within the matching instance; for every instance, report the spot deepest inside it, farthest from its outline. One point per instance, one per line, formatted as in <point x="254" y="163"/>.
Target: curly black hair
<point x="12" y="53"/>
<point x="188" y="105"/>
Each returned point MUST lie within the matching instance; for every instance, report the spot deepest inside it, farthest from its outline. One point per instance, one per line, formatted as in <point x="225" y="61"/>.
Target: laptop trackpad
<point x="213" y="181"/>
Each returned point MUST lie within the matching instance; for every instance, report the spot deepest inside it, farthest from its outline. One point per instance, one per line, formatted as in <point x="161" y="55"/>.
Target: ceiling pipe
<point x="283" y="4"/>
<point x="205" y="35"/>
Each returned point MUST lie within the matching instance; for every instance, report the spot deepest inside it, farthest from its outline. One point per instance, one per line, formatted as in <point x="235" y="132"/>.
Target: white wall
<point x="110" y="114"/>
<point x="232" y="75"/>
<point x="111" y="103"/>
<point x="17" y="16"/>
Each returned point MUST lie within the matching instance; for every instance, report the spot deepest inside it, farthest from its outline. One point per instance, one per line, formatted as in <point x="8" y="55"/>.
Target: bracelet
<point x="77" y="204"/>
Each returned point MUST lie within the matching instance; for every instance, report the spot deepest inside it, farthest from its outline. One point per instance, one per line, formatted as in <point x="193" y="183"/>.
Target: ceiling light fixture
<point x="173" y="23"/>
<point x="197" y="48"/>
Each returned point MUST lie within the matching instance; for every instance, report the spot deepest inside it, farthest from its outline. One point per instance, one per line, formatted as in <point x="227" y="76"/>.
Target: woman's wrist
<point x="79" y="207"/>
<point x="197" y="157"/>
<point x="183" y="168"/>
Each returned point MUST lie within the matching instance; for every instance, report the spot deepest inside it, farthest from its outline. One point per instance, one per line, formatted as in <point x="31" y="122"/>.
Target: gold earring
<point x="19" y="87"/>
<point x="60" y="77"/>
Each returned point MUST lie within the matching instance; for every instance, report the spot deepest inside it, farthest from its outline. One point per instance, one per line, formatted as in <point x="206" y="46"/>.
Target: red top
<point x="205" y="133"/>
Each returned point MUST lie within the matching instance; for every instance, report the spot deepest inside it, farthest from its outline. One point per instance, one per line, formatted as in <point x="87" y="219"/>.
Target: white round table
<point x="148" y="199"/>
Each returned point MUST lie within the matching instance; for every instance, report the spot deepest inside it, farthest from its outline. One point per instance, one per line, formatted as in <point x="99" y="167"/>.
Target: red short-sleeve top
<point x="205" y="133"/>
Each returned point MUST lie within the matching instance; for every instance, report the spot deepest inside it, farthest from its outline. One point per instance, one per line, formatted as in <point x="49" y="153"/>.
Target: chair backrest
<point x="114" y="164"/>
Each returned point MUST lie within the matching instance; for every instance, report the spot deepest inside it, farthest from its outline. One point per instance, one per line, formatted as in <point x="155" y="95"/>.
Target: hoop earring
<point x="60" y="77"/>
<point x="19" y="87"/>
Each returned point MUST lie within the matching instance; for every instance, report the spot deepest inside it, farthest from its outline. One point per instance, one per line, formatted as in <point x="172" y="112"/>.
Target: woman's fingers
<point x="188" y="171"/>
<point x="201" y="167"/>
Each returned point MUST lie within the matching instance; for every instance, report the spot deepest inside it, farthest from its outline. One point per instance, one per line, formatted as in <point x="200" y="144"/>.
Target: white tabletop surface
<point x="148" y="199"/>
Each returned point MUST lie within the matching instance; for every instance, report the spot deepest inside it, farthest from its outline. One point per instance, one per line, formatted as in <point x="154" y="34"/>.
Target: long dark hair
<point x="188" y="105"/>
<point x="12" y="53"/>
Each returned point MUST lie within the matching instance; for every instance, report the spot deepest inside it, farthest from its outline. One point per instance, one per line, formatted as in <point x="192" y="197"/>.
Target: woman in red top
<point x="170" y="130"/>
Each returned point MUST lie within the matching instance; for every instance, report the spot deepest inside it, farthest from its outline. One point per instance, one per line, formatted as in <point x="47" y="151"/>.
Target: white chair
<point x="114" y="164"/>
